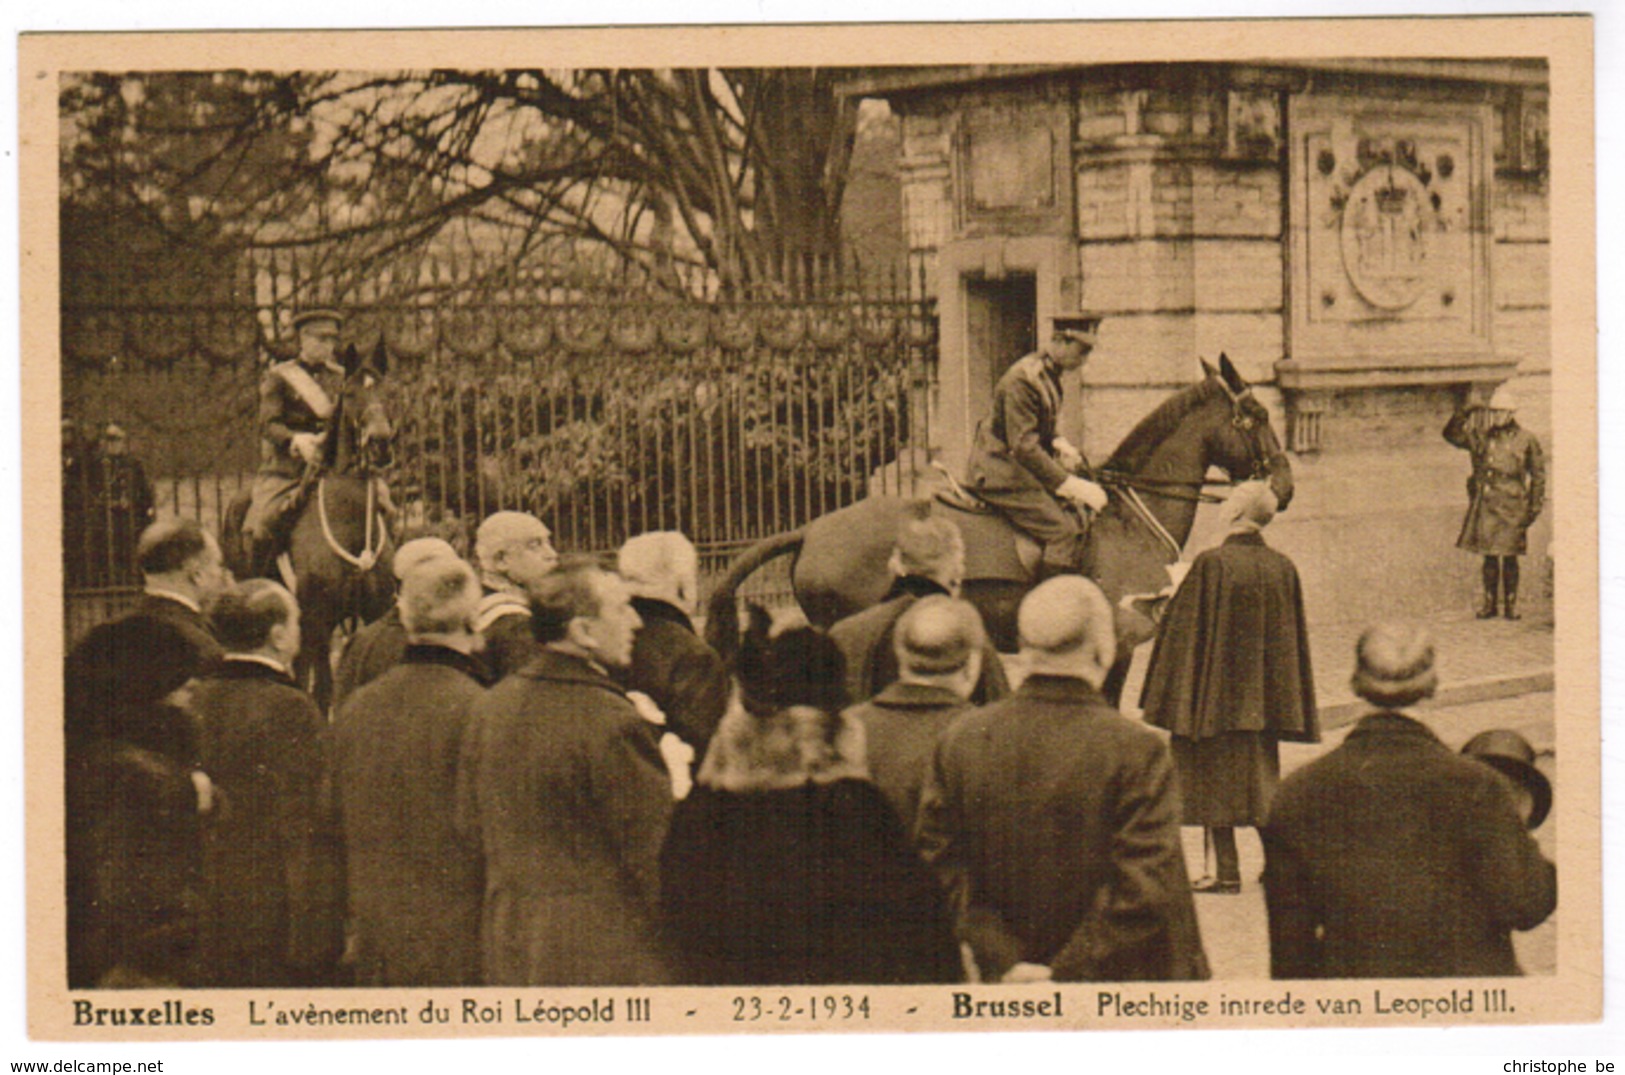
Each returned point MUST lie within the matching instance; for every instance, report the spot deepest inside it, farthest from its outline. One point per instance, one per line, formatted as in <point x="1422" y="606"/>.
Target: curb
<point x="1462" y="692"/>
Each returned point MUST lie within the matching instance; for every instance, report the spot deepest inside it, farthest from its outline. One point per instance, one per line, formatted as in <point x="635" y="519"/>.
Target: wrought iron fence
<point x="607" y="406"/>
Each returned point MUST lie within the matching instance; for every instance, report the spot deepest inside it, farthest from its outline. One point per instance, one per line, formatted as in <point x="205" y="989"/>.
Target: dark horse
<point x="339" y="545"/>
<point x="1154" y="482"/>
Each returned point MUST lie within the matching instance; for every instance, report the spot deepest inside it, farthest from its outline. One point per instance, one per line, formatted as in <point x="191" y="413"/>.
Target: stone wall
<point x="1181" y="241"/>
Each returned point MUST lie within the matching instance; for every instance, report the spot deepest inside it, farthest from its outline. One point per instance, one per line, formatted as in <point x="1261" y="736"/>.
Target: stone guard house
<point x="1367" y="240"/>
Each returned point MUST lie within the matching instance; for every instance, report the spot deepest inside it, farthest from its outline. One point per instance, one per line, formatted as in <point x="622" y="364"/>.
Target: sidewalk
<point x="1478" y="660"/>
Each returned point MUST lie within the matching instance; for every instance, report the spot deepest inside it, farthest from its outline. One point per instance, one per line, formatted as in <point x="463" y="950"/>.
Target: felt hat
<point x="1511" y="755"/>
<point x="1394" y="665"/>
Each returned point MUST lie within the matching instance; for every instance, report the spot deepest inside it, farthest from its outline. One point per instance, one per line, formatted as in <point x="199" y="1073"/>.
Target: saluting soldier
<point x="296" y="405"/>
<point x="1020" y="463"/>
<point x="1507" y="490"/>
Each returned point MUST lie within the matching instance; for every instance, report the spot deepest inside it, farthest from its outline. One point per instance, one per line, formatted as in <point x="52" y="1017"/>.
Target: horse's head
<point x="1245" y="446"/>
<point x="366" y="437"/>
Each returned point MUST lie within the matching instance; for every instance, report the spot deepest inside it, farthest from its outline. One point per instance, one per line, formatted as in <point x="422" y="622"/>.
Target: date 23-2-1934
<point x="812" y="1008"/>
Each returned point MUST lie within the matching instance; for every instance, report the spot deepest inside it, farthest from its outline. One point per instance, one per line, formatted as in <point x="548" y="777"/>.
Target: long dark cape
<point x="1232" y="654"/>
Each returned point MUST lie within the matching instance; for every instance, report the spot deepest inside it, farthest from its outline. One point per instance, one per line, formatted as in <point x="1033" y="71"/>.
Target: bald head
<point x="662" y="565"/>
<point x="419" y="551"/>
<point x="1067" y="628"/>
<point x="514" y="550"/>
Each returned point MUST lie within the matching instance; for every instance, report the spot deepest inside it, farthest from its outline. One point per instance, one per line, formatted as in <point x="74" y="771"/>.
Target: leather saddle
<point x="994" y="549"/>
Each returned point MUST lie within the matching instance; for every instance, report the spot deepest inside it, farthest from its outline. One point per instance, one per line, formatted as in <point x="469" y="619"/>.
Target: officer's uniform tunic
<point x="287" y="408"/>
<point x="1013" y="465"/>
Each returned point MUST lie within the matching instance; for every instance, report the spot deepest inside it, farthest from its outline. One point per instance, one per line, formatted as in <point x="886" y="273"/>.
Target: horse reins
<point x="1161" y="487"/>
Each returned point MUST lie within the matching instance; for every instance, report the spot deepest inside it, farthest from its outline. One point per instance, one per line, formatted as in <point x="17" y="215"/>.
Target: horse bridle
<point x="1174" y="489"/>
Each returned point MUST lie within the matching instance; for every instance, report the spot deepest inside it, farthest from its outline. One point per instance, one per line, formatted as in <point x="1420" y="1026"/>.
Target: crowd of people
<point x="536" y="772"/>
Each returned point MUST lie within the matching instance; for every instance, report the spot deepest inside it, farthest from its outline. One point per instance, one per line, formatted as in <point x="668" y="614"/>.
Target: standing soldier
<point x="1507" y="490"/>
<point x="124" y="497"/>
<point x="1021" y="465"/>
<point x="296" y="403"/>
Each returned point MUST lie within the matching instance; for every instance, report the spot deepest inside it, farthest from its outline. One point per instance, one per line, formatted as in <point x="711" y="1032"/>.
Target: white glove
<point x="307" y="446"/>
<point x="1082" y="491"/>
<point x="1066" y="455"/>
<point x="647" y="708"/>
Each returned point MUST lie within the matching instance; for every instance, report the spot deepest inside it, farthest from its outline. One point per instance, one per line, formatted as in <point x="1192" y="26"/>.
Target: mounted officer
<point x="296" y="405"/>
<point x="1023" y="467"/>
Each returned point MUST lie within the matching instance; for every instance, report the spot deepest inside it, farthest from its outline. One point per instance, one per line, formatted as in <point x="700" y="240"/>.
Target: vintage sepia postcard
<point x="1018" y="526"/>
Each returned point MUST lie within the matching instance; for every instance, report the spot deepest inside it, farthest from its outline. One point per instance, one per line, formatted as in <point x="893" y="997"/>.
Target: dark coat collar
<point x="1047" y="688"/>
<point x="467" y="664"/>
<point x="1245" y="537"/>
<point x="556" y="667"/>
<point x="900" y="695"/>
<point x="1387" y="722"/>
<point x="230" y="669"/>
<point x="653" y="610"/>
<point x="917" y="585"/>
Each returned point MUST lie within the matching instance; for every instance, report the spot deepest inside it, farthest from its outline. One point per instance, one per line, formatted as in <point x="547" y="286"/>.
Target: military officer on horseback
<point x="1022" y="466"/>
<point x="296" y="404"/>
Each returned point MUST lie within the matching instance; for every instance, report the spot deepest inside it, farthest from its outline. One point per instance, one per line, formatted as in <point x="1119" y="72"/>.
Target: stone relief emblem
<point x="1388" y="216"/>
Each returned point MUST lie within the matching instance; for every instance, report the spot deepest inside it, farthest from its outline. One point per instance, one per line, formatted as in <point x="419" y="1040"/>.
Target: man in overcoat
<point x="939" y="643"/>
<point x="415" y="879"/>
<point x="513" y="552"/>
<point x="275" y="908"/>
<point x="184" y="574"/>
<point x="1021" y="464"/>
<point x="379" y="645"/>
<point x="1054" y="820"/>
<point x="671" y="664"/>
<point x="1393" y="856"/>
<point x="563" y="781"/>
<point x="1230" y="677"/>
<point x="1505" y="493"/>
<point x="929" y="559"/>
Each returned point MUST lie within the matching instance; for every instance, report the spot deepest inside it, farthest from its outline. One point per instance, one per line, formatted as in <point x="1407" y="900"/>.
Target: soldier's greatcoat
<point x="1508" y="485"/>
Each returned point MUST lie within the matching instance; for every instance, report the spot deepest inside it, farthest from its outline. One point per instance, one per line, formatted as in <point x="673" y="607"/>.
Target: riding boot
<point x="269" y="543"/>
<point x="1509" y="587"/>
<point x="1492" y="586"/>
<point x="262" y="554"/>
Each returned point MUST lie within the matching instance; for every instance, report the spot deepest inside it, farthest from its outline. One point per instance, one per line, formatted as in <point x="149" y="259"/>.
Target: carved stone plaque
<point x="1390" y="251"/>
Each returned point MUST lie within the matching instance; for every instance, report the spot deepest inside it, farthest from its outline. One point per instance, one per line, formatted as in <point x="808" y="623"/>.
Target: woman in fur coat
<point x="786" y="865"/>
